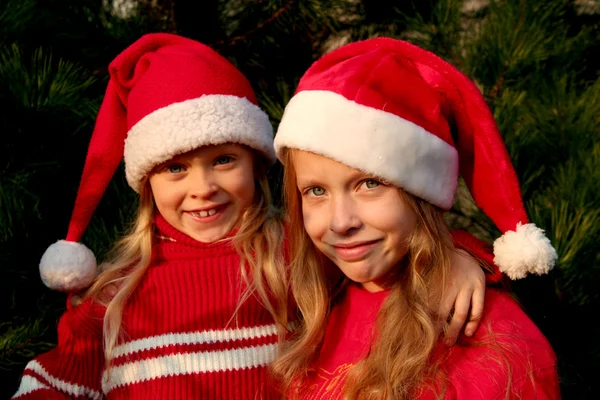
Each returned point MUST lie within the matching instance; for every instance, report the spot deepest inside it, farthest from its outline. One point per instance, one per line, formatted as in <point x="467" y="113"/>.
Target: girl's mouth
<point x="208" y="215"/>
<point x="354" y="251"/>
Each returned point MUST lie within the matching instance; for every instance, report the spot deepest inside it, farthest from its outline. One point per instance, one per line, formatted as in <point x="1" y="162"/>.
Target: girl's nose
<point x="203" y="185"/>
<point x="343" y="217"/>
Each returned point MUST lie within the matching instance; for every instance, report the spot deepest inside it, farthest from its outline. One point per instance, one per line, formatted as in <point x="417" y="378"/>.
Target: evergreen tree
<point x="532" y="59"/>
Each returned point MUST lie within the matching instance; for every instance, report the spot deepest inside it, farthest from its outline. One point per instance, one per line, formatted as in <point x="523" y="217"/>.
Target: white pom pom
<point x="68" y="266"/>
<point x="526" y="250"/>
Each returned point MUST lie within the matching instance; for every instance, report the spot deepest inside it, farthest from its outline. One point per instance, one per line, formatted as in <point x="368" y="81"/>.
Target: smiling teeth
<point x="204" y="213"/>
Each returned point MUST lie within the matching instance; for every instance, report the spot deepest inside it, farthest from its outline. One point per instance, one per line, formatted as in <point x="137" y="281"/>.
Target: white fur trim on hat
<point x="68" y="266"/>
<point x="525" y="250"/>
<point x="188" y="125"/>
<point x="371" y="140"/>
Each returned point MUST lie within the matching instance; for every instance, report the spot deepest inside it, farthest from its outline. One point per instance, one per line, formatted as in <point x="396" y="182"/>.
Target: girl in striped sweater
<point x="192" y="301"/>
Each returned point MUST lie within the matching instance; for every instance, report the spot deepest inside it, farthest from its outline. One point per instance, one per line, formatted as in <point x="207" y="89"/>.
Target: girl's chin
<point x="210" y="235"/>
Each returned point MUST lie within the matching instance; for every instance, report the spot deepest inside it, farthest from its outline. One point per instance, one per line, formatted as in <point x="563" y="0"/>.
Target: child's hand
<point x="76" y="300"/>
<point x="465" y="289"/>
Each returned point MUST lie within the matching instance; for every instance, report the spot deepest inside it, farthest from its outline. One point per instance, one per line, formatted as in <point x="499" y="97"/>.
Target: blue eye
<point x="223" y="160"/>
<point x="317" y="191"/>
<point x="175" y="168"/>
<point x="371" y="183"/>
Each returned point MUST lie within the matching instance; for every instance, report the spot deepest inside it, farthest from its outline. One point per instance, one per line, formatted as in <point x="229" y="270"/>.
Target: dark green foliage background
<point x="535" y="61"/>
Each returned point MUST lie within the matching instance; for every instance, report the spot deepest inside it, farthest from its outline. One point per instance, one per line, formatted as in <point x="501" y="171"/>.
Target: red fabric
<point x="191" y="288"/>
<point x="161" y="69"/>
<point x="481" y="250"/>
<point x="104" y="155"/>
<point x="157" y="70"/>
<point x="416" y="85"/>
<point x="474" y="372"/>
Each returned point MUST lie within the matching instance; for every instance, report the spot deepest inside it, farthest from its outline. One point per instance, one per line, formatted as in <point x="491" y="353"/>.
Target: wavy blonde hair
<point x="258" y="241"/>
<point x="399" y="359"/>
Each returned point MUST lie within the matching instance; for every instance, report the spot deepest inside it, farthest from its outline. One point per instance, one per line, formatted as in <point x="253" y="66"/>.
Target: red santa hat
<point x="166" y="95"/>
<point x="401" y="113"/>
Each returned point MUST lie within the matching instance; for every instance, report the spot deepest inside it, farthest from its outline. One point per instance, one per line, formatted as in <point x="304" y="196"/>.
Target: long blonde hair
<point x="258" y="240"/>
<point x="397" y="363"/>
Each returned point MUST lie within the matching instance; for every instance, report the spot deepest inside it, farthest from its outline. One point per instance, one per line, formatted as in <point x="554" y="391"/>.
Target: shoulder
<point x="505" y="322"/>
<point x="508" y="355"/>
<point x="85" y="317"/>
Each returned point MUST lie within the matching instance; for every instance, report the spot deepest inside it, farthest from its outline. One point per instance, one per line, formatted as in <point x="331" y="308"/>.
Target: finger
<point x="477" y="302"/>
<point x="108" y="292"/>
<point x="461" y="312"/>
<point x="447" y="306"/>
<point x="111" y="290"/>
<point x="75" y="300"/>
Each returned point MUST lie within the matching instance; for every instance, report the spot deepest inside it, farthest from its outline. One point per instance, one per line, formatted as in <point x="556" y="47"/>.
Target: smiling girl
<point x="365" y="231"/>
<point x="372" y="143"/>
<point x="172" y="314"/>
<point x="203" y="192"/>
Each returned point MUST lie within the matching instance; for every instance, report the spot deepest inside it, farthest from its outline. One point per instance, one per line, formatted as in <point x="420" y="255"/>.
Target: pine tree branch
<point x="258" y="27"/>
<point x="495" y="90"/>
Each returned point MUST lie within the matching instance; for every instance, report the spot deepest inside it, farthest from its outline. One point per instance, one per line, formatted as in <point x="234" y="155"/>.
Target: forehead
<point x="315" y="166"/>
<point x="306" y="160"/>
<point x="215" y="150"/>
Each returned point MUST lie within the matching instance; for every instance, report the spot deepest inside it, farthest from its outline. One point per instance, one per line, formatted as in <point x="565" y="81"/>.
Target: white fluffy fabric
<point x="188" y="125"/>
<point x="371" y="140"/>
<point x="68" y="266"/>
<point x="526" y="250"/>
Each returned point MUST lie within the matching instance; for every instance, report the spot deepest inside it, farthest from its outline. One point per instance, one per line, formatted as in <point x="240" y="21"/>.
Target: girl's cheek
<point x="244" y="183"/>
<point x="311" y="220"/>
<point x="306" y="217"/>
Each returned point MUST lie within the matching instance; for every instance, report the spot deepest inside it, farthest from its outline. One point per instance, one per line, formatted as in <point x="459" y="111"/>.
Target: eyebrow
<point x="306" y="181"/>
<point x="311" y="181"/>
<point x="225" y="149"/>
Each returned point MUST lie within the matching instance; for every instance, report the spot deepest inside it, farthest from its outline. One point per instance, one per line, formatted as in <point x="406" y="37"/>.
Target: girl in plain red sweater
<point x="372" y="143"/>
<point x="192" y="301"/>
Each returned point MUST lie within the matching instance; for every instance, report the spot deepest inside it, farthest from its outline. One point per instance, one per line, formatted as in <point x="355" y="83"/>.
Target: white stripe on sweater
<point x="198" y="337"/>
<point x="188" y="363"/>
<point x="30" y="384"/>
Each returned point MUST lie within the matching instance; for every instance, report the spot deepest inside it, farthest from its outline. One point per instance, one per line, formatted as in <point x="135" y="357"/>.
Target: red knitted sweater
<point x="182" y="338"/>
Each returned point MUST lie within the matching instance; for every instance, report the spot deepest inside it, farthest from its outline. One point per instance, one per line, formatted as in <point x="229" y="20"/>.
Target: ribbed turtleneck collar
<point x="169" y="241"/>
